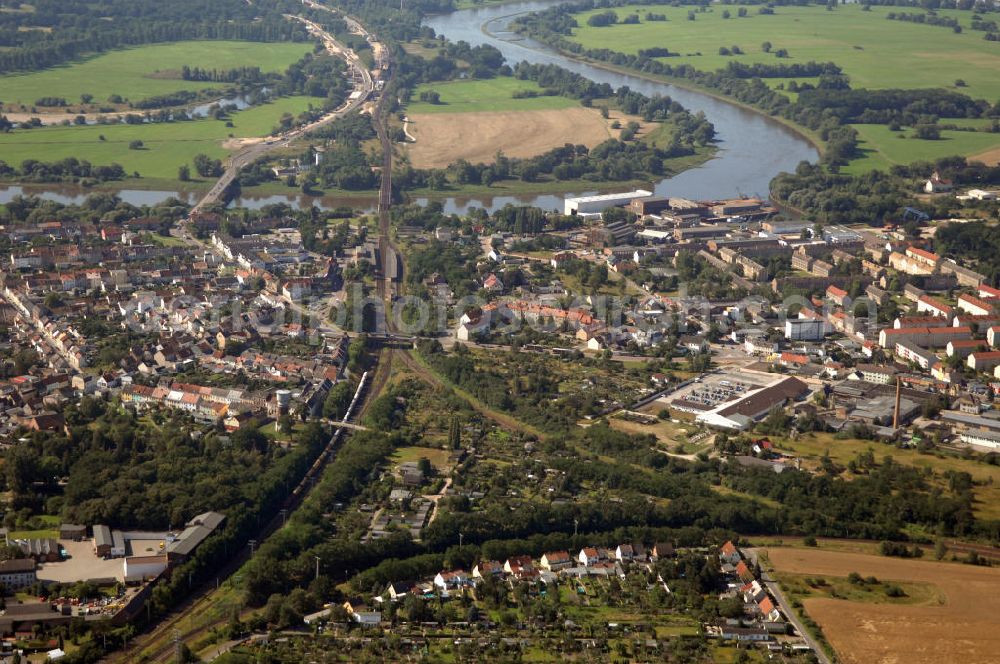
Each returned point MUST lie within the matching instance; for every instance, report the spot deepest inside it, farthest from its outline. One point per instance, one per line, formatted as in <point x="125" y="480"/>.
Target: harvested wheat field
<point x="964" y="628"/>
<point x="443" y="138"/>
<point x="990" y="157"/>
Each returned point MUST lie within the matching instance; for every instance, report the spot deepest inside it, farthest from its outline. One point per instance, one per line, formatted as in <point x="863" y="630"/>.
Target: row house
<point x="983" y="360"/>
<point x="974" y="305"/>
<point x="928" y="337"/>
<point x="934" y="306"/>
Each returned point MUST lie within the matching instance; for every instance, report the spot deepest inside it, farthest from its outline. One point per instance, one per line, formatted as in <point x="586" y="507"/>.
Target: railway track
<point x="160" y="644"/>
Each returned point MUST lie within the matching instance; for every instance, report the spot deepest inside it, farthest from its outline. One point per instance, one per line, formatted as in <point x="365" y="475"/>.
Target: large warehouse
<point x="740" y="414"/>
<point x="600" y="203"/>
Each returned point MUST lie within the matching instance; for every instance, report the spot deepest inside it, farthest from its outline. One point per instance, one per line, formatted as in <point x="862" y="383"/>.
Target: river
<point x="752" y="148"/>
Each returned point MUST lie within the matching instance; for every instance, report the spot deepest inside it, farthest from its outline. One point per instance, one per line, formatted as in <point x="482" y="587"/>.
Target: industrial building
<point x="741" y="413"/>
<point x="601" y="202"/>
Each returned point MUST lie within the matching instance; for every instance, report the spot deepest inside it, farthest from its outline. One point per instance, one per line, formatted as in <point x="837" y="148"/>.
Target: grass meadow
<point x="166" y="145"/>
<point x="471" y="96"/>
<point x="873" y="51"/>
<point x="145" y="71"/>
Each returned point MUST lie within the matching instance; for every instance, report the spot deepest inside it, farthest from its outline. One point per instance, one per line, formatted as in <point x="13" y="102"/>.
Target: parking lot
<point x="80" y="565"/>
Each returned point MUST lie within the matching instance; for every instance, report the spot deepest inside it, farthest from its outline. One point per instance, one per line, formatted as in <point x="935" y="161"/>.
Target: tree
<point x="135" y="145"/>
<point x="766" y="47"/>
<point x="184" y="173"/>
<point x="337" y="400"/>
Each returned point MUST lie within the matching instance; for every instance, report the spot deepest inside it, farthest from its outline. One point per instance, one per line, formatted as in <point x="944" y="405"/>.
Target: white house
<point x="624" y="553"/>
<point x="454" y="579"/>
<point x="591" y="556"/>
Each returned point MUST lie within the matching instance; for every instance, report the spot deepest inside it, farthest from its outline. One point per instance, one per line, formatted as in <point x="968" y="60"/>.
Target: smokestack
<point x="895" y="414"/>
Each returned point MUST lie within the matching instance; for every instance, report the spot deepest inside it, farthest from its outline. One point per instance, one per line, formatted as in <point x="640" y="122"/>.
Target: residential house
<point x="590" y="556"/>
<point x="768" y="610"/>
<point x="518" y="564"/>
<point x="624" y="553"/>
<point x="487" y="568"/>
<point x="937" y="185"/>
<point x="729" y="553"/>
<point x="556" y="560"/>
<point x="397" y="591"/>
<point x="451" y="580"/>
<point x="662" y="550"/>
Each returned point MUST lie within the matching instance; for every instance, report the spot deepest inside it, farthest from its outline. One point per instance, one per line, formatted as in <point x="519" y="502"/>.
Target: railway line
<point x="160" y="644"/>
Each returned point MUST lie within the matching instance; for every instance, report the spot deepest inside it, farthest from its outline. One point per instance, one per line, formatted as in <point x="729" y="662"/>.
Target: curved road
<point x="364" y="87"/>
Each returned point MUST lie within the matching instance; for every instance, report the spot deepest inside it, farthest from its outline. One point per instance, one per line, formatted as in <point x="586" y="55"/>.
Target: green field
<point x="883" y="148"/>
<point x="873" y="51"/>
<point x="167" y="145"/>
<point x="489" y="95"/>
<point x="132" y="73"/>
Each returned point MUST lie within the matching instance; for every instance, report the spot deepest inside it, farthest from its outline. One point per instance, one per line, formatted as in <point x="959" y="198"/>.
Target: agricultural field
<point x="444" y="138"/>
<point x="948" y="613"/>
<point x="165" y="145"/>
<point x="476" y="118"/>
<point x="146" y="71"/>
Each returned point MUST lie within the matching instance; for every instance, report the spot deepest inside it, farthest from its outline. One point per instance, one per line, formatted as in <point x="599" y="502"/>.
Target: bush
<point x="892" y="590"/>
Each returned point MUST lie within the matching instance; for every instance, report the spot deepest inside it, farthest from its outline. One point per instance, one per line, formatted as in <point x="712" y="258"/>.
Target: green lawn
<point x="873" y="51"/>
<point x="490" y="95"/>
<point x="167" y="145"/>
<point x="132" y="73"/>
<point x="882" y="148"/>
<point x="437" y="456"/>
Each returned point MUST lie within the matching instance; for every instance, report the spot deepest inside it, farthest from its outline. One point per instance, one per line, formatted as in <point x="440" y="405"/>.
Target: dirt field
<point x="962" y="629"/>
<point x="443" y="138"/>
<point x="990" y="157"/>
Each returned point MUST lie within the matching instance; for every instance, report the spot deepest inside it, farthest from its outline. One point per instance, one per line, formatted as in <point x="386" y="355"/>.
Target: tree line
<point x="58" y="31"/>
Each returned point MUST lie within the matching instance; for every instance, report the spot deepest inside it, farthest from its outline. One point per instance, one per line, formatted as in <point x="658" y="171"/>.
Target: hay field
<point x="961" y="629"/>
<point x="443" y="138"/>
